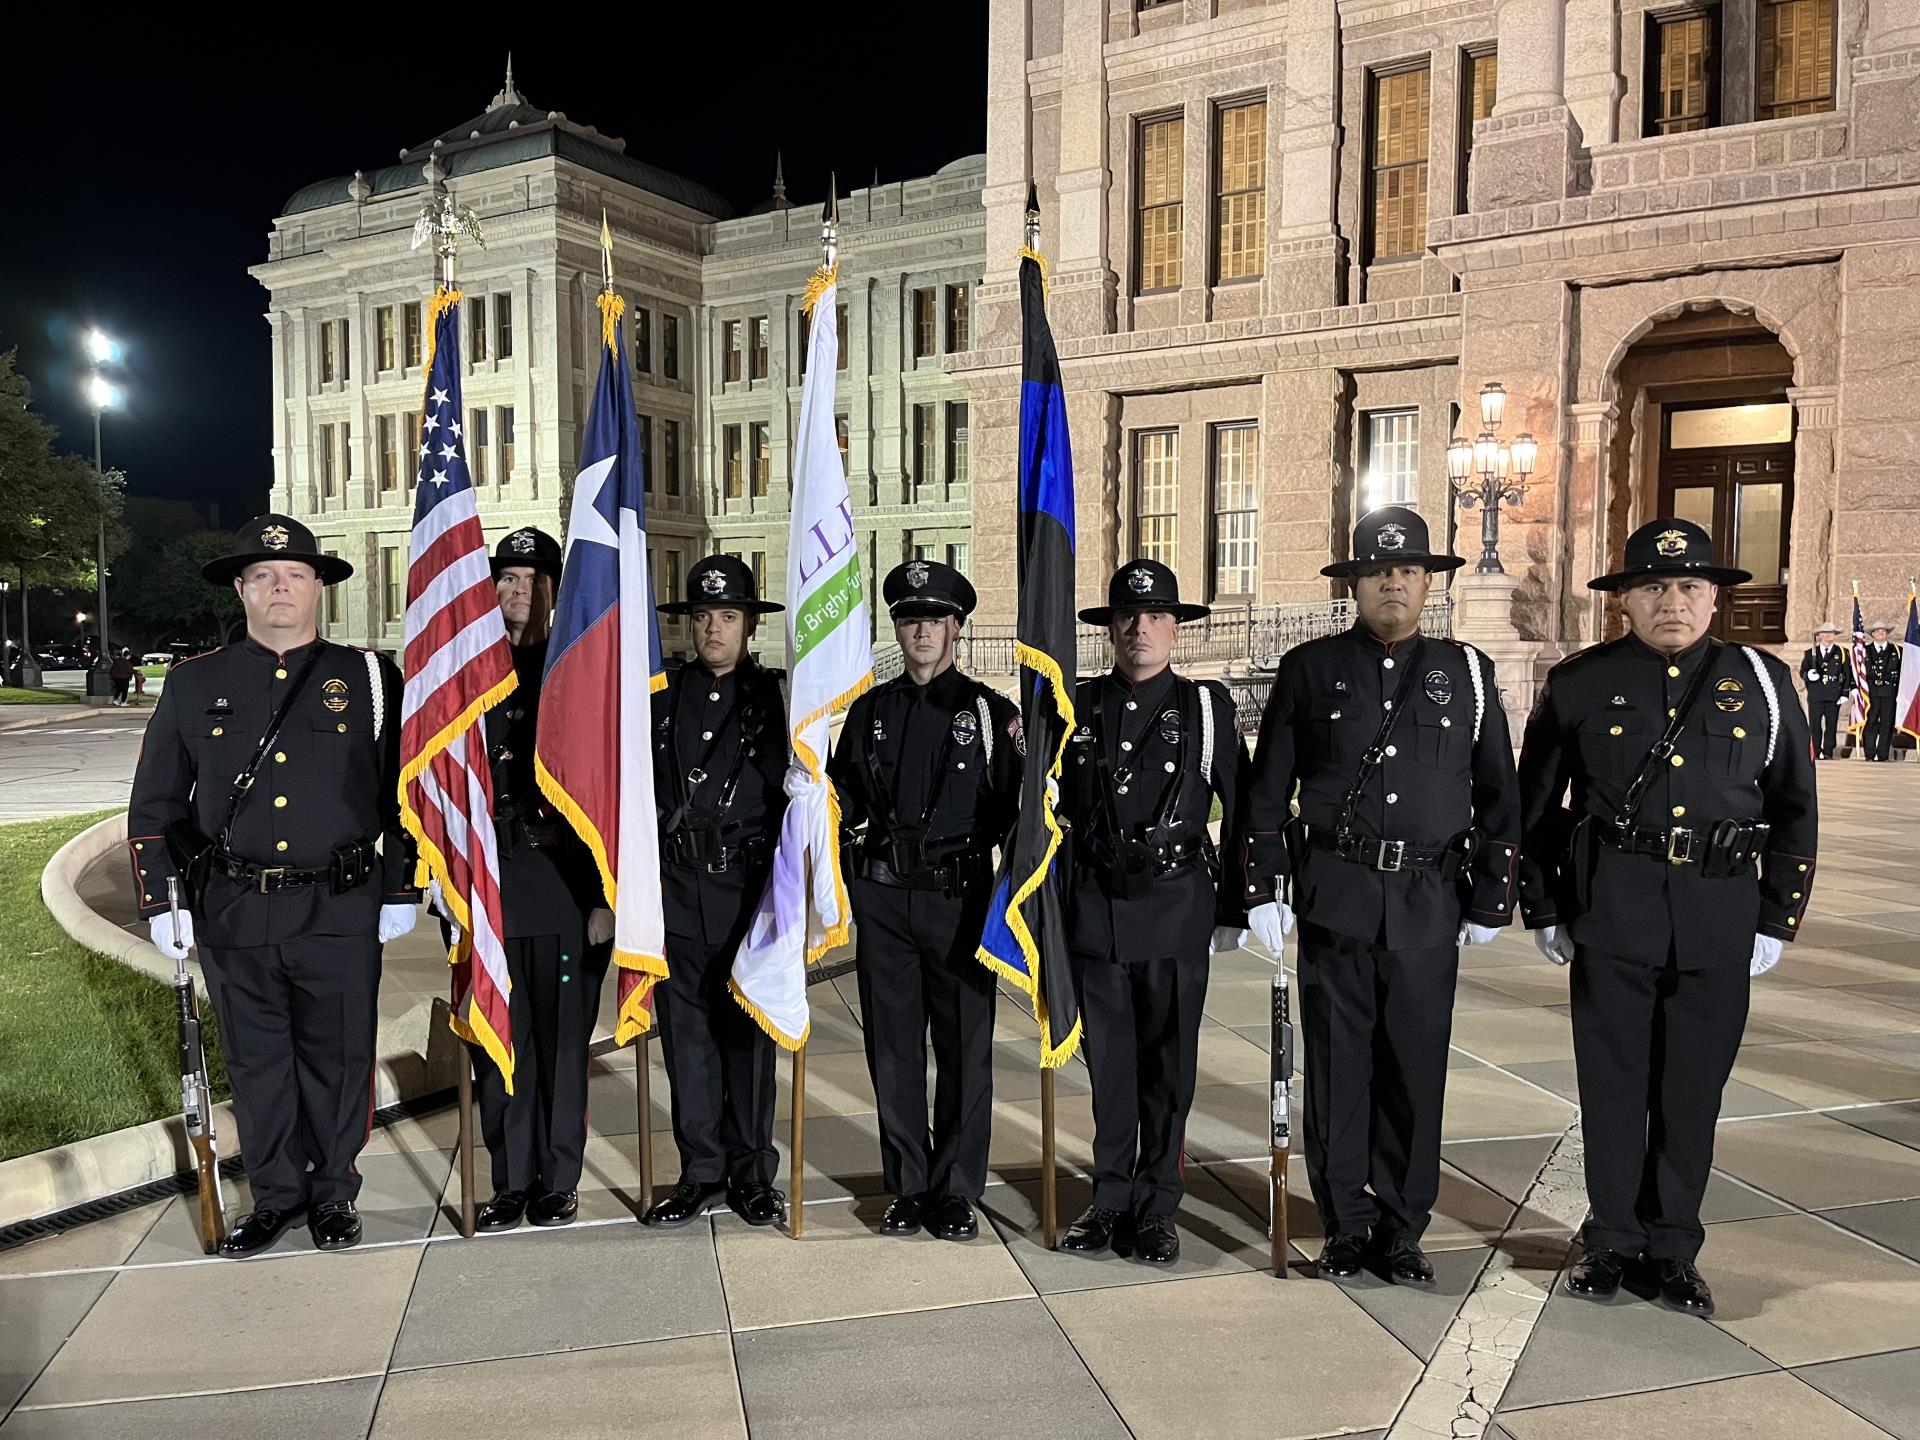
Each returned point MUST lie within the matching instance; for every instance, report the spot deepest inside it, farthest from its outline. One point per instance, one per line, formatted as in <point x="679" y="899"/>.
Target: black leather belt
<point x="350" y="868"/>
<point x="712" y="859"/>
<point x="1384" y="855"/>
<point x="952" y="878"/>
<point x="1168" y="859"/>
<point x="1735" y="841"/>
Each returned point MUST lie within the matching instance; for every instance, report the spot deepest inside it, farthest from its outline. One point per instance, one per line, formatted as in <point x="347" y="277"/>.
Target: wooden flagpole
<point x="796" y="1202"/>
<point x="466" y="1144"/>
<point x="643" y="1101"/>
<point x="1049" y="1199"/>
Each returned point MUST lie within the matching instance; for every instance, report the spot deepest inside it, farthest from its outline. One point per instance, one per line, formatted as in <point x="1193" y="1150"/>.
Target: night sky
<point x="144" y="174"/>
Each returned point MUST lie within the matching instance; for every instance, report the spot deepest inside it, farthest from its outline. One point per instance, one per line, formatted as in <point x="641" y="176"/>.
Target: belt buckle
<point x="1398" y="849"/>
<point x="717" y="867"/>
<point x="265" y="871"/>
<point x="1680" y="845"/>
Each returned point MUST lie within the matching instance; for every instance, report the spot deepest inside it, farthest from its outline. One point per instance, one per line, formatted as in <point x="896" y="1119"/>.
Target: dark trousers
<point x="120" y="687"/>
<point x="1376" y="1024"/>
<point x="1653" y="1046"/>
<point x="1143" y="1051"/>
<point x="917" y="972"/>
<point x="537" y="1136"/>
<point x="1877" y="738"/>
<point x="297" y="1027"/>
<point x="720" y="1065"/>
<point x="1823" y="717"/>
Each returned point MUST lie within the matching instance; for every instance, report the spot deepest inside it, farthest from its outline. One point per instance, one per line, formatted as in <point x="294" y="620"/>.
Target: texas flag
<point x="1906" y="707"/>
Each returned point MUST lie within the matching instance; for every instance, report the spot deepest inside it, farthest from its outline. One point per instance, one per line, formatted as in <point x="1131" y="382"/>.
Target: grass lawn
<point x="89" y="1045"/>
<point x="153" y="672"/>
<point x="14" y="695"/>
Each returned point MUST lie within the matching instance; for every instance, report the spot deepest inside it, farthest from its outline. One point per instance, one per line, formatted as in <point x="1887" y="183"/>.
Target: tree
<point x="51" y="505"/>
<point x="158" y="583"/>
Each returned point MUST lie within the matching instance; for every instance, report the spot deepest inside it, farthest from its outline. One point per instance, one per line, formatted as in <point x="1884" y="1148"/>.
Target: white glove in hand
<point x="1225" y="938"/>
<point x="1472" y="934"/>
<point x="397" y="920"/>
<point x="1766" y="954"/>
<point x="160" y="928"/>
<point x="1270" y="923"/>
<point x="437" y="898"/>
<point x="1555" y="944"/>
<point x="599" y="925"/>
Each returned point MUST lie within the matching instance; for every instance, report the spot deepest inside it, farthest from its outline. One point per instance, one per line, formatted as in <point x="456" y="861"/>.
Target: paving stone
<point x="1507" y="1167"/>
<point x="1883" y="1388"/>
<point x="1799" y="1291"/>
<point x="1816" y="1162"/>
<point x="99" y="1242"/>
<point x="41" y="1312"/>
<point x="1754" y="1407"/>
<point x="1483" y="1103"/>
<point x="339" y="1410"/>
<point x="1895" y="1224"/>
<point x="1894" y="1122"/>
<point x="1418" y="1317"/>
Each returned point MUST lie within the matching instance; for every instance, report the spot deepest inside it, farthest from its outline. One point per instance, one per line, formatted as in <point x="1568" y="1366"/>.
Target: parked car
<point x="157" y="657"/>
<point x="59" y="659"/>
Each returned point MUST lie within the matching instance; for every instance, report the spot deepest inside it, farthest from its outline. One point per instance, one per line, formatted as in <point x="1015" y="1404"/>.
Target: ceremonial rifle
<point x="196" y="1094"/>
<point x="1281" y="1066"/>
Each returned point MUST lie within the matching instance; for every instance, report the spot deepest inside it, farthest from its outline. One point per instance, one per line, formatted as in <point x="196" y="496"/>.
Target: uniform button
<point x="145" y="896"/>
<point x="341" y="728"/>
<point x="1393" y="749"/>
<point x="1614" y="731"/>
<point x="1387" y="663"/>
<point x="139" y="846"/>
<point x="1393" y="799"/>
<point x="1120" y="789"/>
<point x="1793" y="919"/>
<point x="713" y="695"/>
<point x="1507" y="854"/>
<point x="1387" y="703"/>
<point x="1677" y="761"/>
<point x="1803" y="869"/>
<point x="1126" y="744"/>
<point x="279" y="844"/>
<point x="1796" y="894"/>
<point x="279" y="802"/>
<point x="280" y="674"/>
<point x="961" y="766"/>
<point x="279" y="757"/>
<point x="1334" y="716"/>
<point x="1501" y="906"/>
<point x="1132" y="706"/>
<point x="706" y="734"/>
<point x="1446" y="722"/>
<point x="1739" y="732"/>
<point x="1670" y="714"/>
<point x="1678" y="811"/>
<point x="219" y="730"/>
<point x="1171" y="767"/>
<point x="1673" y="670"/>
<point x="144" y="872"/>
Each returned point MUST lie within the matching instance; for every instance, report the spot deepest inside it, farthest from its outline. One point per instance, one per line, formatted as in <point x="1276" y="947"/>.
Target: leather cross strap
<point x="243" y="782"/>
<point x="1376" y="751"/>
<point x="1663" y="747"/>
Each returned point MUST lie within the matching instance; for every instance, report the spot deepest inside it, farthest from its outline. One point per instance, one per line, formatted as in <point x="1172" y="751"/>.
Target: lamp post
<point x="1487" y="471"/>
<point x="102" y="395"/>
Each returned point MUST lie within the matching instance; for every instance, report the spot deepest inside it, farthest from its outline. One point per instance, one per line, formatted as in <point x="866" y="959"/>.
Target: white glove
<point x="599" y="925"/>
<point x="160" y="928"/>
<point x="1766" y="953"/>
<point x="1225" y="938"/>
<point x="397" y="920"/>
<point x="1472" y="934"/>
<point x="437" y="898"/>
<point x="1555" y="944"/>
<point x="1271" y="922"/>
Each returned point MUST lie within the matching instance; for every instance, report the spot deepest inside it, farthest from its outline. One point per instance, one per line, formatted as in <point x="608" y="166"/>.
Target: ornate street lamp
<point x="1487" y="471"/>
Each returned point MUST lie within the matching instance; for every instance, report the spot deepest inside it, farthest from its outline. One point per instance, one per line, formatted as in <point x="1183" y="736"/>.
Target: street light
<point x="100" y="348"/>
<point x="102" y="395"/>
<point x="1502" y="472"/>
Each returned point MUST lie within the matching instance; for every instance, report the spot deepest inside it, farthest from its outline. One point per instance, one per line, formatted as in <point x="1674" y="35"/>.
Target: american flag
<point x="457" y="665"/>
<point x="1857" y="716"/>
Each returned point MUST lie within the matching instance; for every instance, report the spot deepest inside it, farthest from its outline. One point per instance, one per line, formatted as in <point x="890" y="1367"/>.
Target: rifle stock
<point x="196" y="1097"/>
<point x="1281" y="1071"/>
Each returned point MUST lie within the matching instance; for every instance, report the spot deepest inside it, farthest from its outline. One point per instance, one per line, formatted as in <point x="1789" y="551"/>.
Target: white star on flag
<point x="425" y="450"/>
<point x="447" y="452"/>
<point x="455" y="427"/>
<point x="440" y="477"/>
<point x="431" y="421"/>
<point x="588" y="524"/>
<point x="439" y="398"/>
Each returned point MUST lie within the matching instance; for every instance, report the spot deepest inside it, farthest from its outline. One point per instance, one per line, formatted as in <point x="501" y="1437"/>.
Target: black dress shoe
<point x="255" y="1231"/>
<point x="688" y="1200"/>
<point x="903" y="1216"/>
<point x="1598" y="1275"/>
<point x="1682" y="1288"/>
<point x="1342" y="1254"/>
<point x="556" y="1207"/>
<point x="1155" y="1240"/>
<point x="1096" y="1230"/>
<point x="757" y="1202"/>
<point x="1407" y="1263"/>
<point x="502" y="1212"/>
<point x="952" y="1218"/>
<point x="335" y="1225"/>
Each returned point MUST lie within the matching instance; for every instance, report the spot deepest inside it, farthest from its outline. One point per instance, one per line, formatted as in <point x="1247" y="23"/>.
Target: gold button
<point x="279" y="757"/>
<point x="1671" y="670"/>
<point x="1614" y="731"/>
<point x="218" y="730"/>
<point x="1678" y="811"/>
<point x="144" y="872"/>
<point x="1796" y="894"/>
<point x="1803" y="869"/>
<point x="138" y="846"/>
<point x="1670" y="714"/>
<point x="145" y="896"/>
<point x="282" y="674"/>
<point x="1678" y="761"/>
<point x="1739" y="733"/>
<point x="341" y="728"/>
<point x="279" y="802"/>
<point x="1793" y="919"/>
<point x="279" y="844"/>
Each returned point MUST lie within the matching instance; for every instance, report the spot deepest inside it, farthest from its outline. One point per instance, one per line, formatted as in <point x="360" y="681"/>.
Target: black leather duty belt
<point x="1386" y="856"/>
<point x="960" y="873"/>
<point x="350" y="868"/>
<point x="711" y="859"/>
<point x="1167" y="859"/>
<point x="1721" y="843"/>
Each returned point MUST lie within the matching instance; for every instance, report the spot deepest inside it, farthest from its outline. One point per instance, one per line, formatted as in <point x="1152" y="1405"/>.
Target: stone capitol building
<point x="1290" y="243"/>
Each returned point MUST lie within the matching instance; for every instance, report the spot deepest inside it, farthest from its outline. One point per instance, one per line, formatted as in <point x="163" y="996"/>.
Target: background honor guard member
<point x="720" y="754"/>
<point x="1883" y="690"/>
<point x="1828" y="676"/>
<point x="1404" y="850"/>
<point x="1685" y="860"/>
<point x="270" y="771"/>
<point x="929" y="763"/>
<point x="1152" y="750"/>
<point x="558" y="933"/>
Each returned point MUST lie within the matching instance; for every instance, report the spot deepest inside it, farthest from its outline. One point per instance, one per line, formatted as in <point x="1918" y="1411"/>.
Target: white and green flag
<point x="803" y="912"/>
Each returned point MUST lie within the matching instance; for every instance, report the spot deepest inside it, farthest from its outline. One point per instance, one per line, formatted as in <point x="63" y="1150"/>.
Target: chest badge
<point x="1619" y="702"/>
<point x="1017" y="732"/>
<point x="1438" y="685"/>
<point x="966" y="728"/>
<point x="333" y="694"/>
<point x="1340" y="687"/>
<point x="1083" y="735"/>
<point x="1728" y="696"/>
<point x="1170" y="726"/>
<point x="879" y="730"/>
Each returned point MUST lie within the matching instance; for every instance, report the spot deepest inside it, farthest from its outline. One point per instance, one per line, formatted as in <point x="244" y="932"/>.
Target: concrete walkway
<point x="121" y="1328"/>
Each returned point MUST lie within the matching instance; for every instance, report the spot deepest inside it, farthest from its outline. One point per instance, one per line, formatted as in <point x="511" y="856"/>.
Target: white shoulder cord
<point x="1773" y="699"/>
<point x="986" y="727"/>
<point x="1206" y="735"/>
<point x="1479" y="687"/>
<point x="379" y="691"/>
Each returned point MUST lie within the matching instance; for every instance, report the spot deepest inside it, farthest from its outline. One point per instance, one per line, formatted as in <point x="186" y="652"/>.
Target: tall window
<point x="1156" y="494"/>
<point x="329" y="359"/>
<point x="730" y="352"/>
<point x="386" y="429"/>
<point x="762" y="458"/>
<point x="323" y="442"/>
<point x="840" y="438"/>
<point x="757" y="347"/>
<point x="346" y="348"/>
<point x="670" y="455"/>
<point x="412" y="448"/>
<point x="1681" y="71"/>
<point x="346" y="453"/>
<point x="643" y="341"/>
<point x="1393" y="459"/>
<point x="643" y="427"/>
<point x="758" y="561"/>
<point x="477" y="446"/>
<point x="922" y="445"/>
<point x="923" y="324"/>
<point x="1236" y="510"/>
<point x="957" y="458"/>
<point x="413" y="333"/>
<point x="1399" y="156"/>
<point x="392" y="577"/>
<point x="1157" y="223"/>
<point x="332" y="592"/>
<point x="670" y="346"/>
<point x="674" y="575"/>
<point x="383" y="322"/>
<point x="1796" y="57"/>
<point x="840" y="334"/>
<point x="1240" y="215"/>
<point x="477" y="328"/>
<point x="959" y="318"/>
<point x="958" y="554"/>
<point x="503" y="326"/>
<point x="1479" y="79"/>
<point x="730" y="461"/>
<point x="503" y="437"/>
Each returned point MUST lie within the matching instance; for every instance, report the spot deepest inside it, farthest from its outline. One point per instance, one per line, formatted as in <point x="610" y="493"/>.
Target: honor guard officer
<point x="1883" y="693"/>
<point x="1405" y="849"/>
<point x="269" y="774"/>
<point x="1152" y="750"/>
<point x="558" y="931"/>
<point x="1828" y="676"/>
<point x="1685" y="860"/>
<point x="929" y="763"/>
<point x="720" y="755"/>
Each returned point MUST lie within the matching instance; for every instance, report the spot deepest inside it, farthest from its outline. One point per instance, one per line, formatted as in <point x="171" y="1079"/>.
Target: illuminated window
<point x="1399" y="165"/>
<point x="1157" y="222"/>
<point x="1796" y="57"/>
<point x="1393" y="459"/>
<point x="1156" y="494"/>
<point x="1236" y="510"/>
<point x="1680" y="89"/>
<point x="1240" y="204"/>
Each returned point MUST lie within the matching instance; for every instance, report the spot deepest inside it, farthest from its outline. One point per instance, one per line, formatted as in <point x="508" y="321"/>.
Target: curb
<point x="418" y="1055"/>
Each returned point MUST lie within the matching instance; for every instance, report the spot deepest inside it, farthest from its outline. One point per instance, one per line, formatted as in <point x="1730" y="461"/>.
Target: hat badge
<point x="1140" y="580"/>
<point x="713" y="582"/>
<point x="1671" y="542"/>
<point x="275" y="537"/>
<point x="521" y="542"/>
<point x="917" y="574"/>
<point x="1391" y="536"/>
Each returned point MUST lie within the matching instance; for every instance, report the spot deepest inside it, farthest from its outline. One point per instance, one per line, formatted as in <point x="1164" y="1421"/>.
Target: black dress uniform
<point x="1828" y="675"/>
<point x="932" y="773"/>
<point x="720" y="754"/>
<point x="549" y="882"/>
<point x="1141" y="773"/>
<point x="1883" y="694"/>
<point x="1381" y="878"/>
<point x="287" y="923"/>
<point x="1663" y="914"/>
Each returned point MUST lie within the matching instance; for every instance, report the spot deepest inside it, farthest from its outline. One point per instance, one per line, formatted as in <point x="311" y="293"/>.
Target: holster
<point x="1733" y="847"/>
<point x="352" y="865"/>
<point x="1132" y="869"/>
<point x="1581" y="858"/>
<point x="191" y="850"/>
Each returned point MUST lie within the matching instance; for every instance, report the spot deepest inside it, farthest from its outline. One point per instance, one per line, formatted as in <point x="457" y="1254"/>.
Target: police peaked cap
<point x="1391" y="535"/>
<point x="1143" y="585"/>
<point x="720" y="582"/>
<point x="926" y="588"/>
<point x="1670" y="547"/>
<point x="274" y="537"/>
<point x="531" y="548"/>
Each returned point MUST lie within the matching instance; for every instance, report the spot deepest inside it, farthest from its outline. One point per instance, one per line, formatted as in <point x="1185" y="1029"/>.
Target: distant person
<point x="1883" y="692"/>
<point x="122" y="675"/>
<point x="1829" y="679"/>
